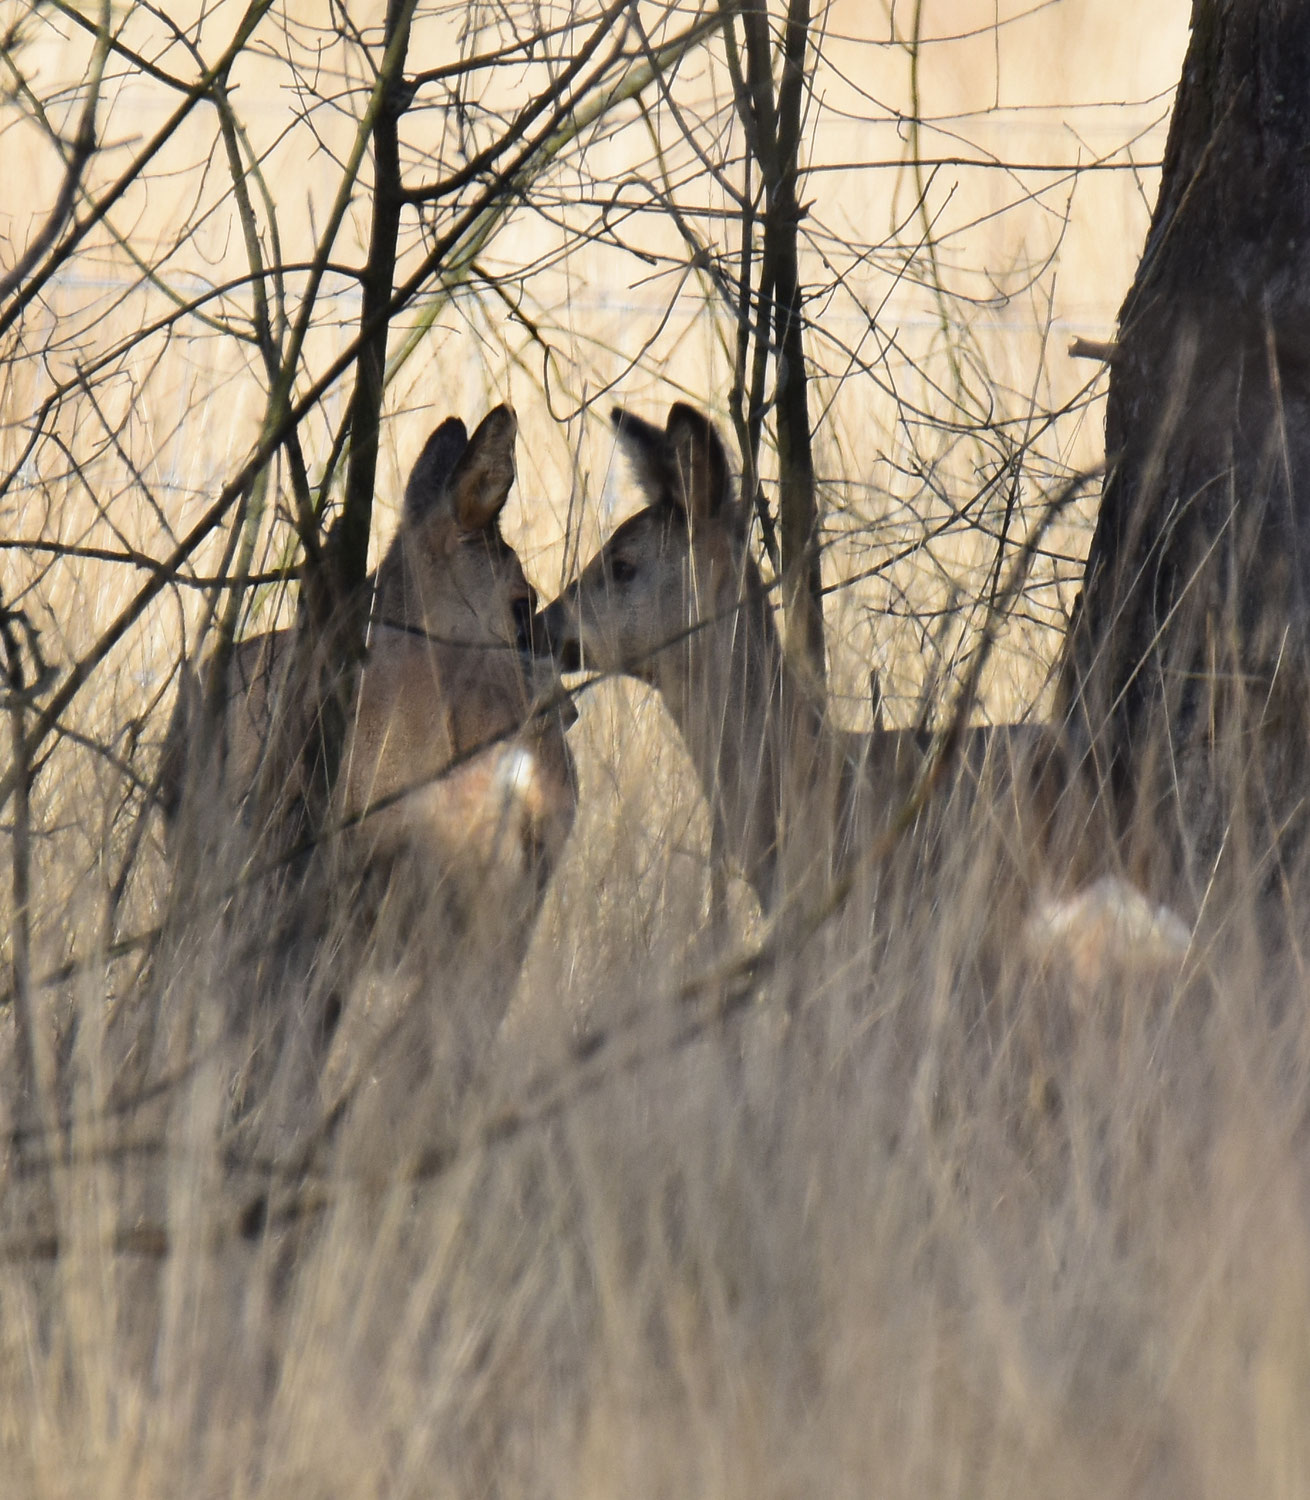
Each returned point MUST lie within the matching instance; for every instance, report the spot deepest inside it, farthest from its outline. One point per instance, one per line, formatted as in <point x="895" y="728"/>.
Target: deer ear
<point x="701" y="477"/>
<point x="431" y="473"/>
<point x="482" y="478"/>
<point x="643" y="443"/>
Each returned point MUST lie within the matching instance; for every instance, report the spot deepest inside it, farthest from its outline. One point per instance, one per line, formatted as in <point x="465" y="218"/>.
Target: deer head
<point x="670" y="569"/>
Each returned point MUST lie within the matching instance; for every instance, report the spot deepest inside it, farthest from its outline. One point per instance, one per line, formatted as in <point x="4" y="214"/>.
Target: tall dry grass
<point x="870" y="1219"/>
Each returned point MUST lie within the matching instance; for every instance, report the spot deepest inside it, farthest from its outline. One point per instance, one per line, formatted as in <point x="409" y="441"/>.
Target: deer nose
<point x="551" y="634"/>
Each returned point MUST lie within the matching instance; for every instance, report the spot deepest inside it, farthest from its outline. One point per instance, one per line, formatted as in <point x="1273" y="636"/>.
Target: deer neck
<point x="750" y="726"/>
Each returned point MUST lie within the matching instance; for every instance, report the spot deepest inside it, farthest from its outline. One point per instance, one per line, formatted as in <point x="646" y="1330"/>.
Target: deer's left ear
<point x="701" y="476"/>
<point x="430" y="476"/>
<point x="484" y="475"/>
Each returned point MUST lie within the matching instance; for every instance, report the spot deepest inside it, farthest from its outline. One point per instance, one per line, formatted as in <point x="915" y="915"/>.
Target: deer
<point x="676" y="599"/>
<point x="455" y="790"/>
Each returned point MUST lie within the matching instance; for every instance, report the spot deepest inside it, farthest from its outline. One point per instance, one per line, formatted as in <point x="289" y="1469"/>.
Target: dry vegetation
<point x="838" y="1212"/>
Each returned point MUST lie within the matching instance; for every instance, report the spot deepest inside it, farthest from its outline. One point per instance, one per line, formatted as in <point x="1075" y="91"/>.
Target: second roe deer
<point x="450" y="784"/>
<point x="675" y="599"/>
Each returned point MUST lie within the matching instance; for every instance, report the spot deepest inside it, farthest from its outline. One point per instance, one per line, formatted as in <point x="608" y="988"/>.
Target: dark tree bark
<point x="338" y="599"/>
<point x="797" y="501"/>
<point x="348" y="547"/>
<point x="1188" y="661"/>
<point x="773" y="131"/>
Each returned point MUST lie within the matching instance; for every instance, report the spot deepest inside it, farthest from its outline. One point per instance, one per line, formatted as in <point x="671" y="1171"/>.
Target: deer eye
<point x="622" y="571"/>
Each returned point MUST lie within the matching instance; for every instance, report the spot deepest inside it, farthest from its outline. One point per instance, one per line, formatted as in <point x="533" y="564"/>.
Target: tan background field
<point x="943" y="298"/>
<point x="873" y="1229"/>
<point x="1028" y="252"/>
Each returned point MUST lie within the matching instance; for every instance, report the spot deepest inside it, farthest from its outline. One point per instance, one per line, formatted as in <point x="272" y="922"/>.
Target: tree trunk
<point x="774" y="137"/>
<point x="348" y="547"/>
<point x="798" y="508"/>
<point x="343" y="604"/>
<point x="1187" y="662"/>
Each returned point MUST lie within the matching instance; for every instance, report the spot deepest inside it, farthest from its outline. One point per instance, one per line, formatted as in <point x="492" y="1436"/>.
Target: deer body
<point x="676" y="599"/>
<point x="444" y="768"/>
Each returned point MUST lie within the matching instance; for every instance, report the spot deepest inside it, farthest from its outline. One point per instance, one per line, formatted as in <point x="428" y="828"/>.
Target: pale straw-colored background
<point x="873" y="1233"/>
<point x="1027" y="258"/>
<point x="943" y="299"/>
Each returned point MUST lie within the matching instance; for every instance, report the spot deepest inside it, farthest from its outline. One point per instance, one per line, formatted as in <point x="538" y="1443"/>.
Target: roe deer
<point x="447" y="769"/>
<point x="675" y="599"/>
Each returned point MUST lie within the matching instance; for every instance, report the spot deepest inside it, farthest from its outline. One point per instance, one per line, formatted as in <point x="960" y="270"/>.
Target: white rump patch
<point x="1108" y="927"/>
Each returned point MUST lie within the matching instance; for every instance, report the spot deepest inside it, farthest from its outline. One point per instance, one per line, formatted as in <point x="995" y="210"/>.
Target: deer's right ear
<point x="431" y="473"/>
<point x="702" y="479"/>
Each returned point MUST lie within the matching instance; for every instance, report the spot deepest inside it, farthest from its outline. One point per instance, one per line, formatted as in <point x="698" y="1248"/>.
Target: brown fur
<point x="675" y="598"/>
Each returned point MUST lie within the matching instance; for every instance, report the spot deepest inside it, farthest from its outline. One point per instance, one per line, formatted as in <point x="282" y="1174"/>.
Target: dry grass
<point x="890" y="1222"/>
<point x="881" y="1221"/>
